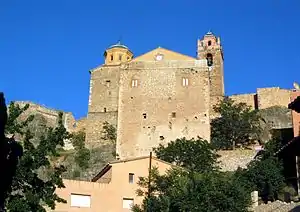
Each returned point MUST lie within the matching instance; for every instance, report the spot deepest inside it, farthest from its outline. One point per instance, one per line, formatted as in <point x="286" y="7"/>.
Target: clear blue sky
<point x="48" y="47"/>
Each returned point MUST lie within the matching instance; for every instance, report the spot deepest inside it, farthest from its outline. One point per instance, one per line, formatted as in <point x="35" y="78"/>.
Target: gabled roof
<point x="166" y="53"/>
<point x="108" y="166"/>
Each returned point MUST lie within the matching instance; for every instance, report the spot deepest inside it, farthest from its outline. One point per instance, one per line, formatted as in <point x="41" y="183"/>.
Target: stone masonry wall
<point x="51" y="115"/>
<point x="160" y="108"/>
<point x="249" y="99"/>
<point x="95" y="126"/>
<point x="268" y="97"/>
<point x="103" y="101"/>
<point x="230" y="160"/>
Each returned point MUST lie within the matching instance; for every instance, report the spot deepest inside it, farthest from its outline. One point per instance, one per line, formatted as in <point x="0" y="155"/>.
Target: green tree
<point x="82" y="154"/>
<point x="181" y="190"/>
<point x="194" y="154"/>
<point x="237" y="125"/>
<point x="265" y="173"/>
<point x="109" y="134"/>
<point x="29" y="191"/>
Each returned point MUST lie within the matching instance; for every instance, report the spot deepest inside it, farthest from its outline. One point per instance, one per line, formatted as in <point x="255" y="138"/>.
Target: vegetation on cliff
<point x="31" y="191"/>
<point x="82" y="162"/>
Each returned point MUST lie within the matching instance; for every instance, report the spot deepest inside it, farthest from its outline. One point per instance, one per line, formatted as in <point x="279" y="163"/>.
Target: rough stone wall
<point x="103" y="101"/>
<point x="81" y="124"/>
<point x="268" y="97"/>
<point x="216" y="72"/>
<point x="248" y="99"/>
<point x="95" y="126"/>
<point x="49" y="116"/>
<point x="160" y="108"/>
<point x="230" y="160"/>
<point x="265" y="98"/>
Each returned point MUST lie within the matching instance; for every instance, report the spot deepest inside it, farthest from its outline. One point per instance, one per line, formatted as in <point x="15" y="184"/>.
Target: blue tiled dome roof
<point x="118" y="45"/>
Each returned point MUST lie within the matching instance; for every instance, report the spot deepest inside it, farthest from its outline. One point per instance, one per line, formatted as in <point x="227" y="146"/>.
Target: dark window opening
<point x="111" y="57"/>
<point x="255" y="102"/>
<point x="196" y="117"/>
<point x="131" y="97"/>
<point x="120" y="57"/>
<point x="170" y="125"/>
<point x="109" y="93"/>
<point x="144" y="115"/>
<point x="173" y="115"/>
<point x="131" y="178"/>
<point x="104" y="109"/>
<point x="205" y="115"/>
<point x="161" y="137"/>
<point x="209" y="59"/>
<point x="209" y="43"/>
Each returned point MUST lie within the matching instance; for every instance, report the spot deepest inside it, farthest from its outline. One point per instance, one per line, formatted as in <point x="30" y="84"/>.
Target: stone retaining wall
<point x="230" y="160"/>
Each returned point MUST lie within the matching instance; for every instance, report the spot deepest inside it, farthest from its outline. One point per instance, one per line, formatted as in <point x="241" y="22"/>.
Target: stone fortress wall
<point x="156" y="97"/>
<point x="265" y="98"/>
<point x="51" y="115"/>
<point x="161" y="109"/>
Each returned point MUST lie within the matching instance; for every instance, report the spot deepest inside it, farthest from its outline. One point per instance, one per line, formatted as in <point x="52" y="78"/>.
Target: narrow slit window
<point x="185" y="82"/>
<point x="134" y="83"/>
<point x="131" y="178"/>
<point x="120" y="57"/>
<point x="209" y="58"/>
<point x="144" y="115"/>
<point x="173" y="115"/>
<point x="104" y="110"/>
<point x="111" y="57"/>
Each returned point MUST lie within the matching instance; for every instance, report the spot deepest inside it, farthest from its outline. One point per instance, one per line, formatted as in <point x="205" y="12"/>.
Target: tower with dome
<point x="155" y="97"/>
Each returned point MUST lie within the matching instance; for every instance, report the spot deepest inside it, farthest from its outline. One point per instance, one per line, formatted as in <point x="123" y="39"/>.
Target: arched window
<point x="209" y="59"/>
<point x="209" y="43"/>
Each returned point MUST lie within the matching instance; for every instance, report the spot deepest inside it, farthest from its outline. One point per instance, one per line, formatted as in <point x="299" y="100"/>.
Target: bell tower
<point x="210" y="49"/>
<point x="117" y="54"/>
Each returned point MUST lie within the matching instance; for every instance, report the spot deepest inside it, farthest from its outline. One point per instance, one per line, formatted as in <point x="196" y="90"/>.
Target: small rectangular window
<point x="144" y="115"/>
<point x="80" y="200"/>
<point x="120" y="57"/>
<point x="134" y="83"/>
<point x="185" y="81"/>
<point x="173" y="115"/>
<point x="131" y="178"/>
<point x="104" y="110"/>
<point x="128" y="203"/>
<point x="111" y="57"/>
